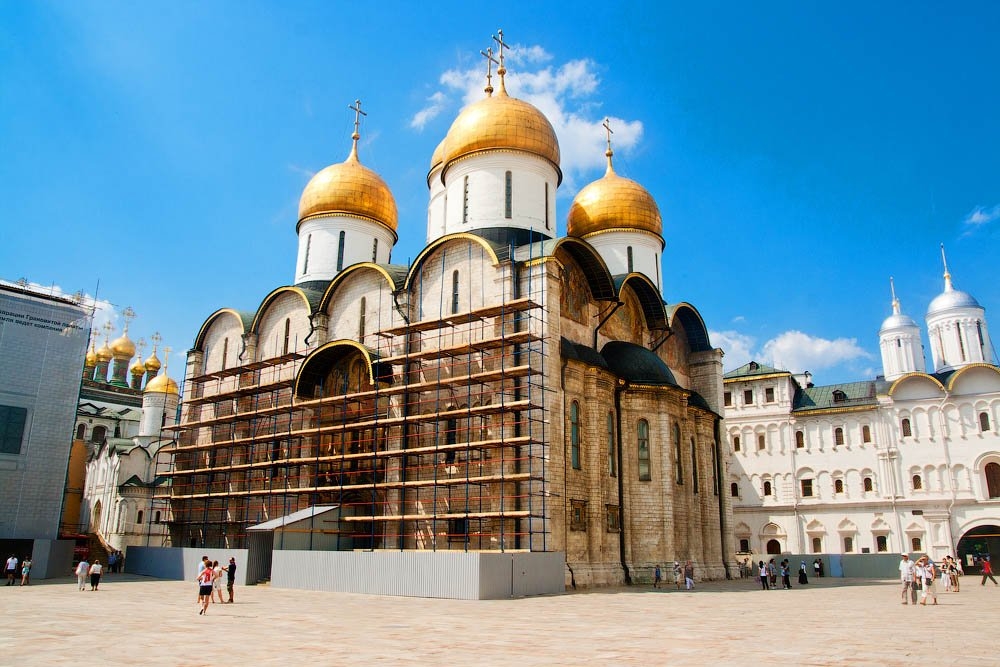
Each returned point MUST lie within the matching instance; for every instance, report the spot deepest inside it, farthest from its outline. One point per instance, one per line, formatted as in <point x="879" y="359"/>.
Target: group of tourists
<point x="85" y="570"/>
<point x="683" y="575"/>
<point x="209" y="580"/>
<point x="920" y="578"/>
<point x="768" y="573"/>
<point x="18" y="568"/>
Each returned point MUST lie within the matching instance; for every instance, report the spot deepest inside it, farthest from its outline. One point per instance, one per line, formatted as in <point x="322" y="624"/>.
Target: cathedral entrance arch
<point x="95" y="524"/>
<point x="773" y="547"/>
<point x="771" y="535"/>
<point x="978" y="542"/>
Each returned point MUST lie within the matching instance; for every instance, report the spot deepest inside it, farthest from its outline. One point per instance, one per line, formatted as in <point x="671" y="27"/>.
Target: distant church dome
<point x="616" y="203"/>
<point x="91" y="359"/>
<point x="161" y="384"/>
<point x="349" y="188"/>
<point x="500" y="123"/>
<point x="898" y="321"/>
<point x="123" y="347"/>
<point x="949" y="299"/>
<point x="153" y="363"/>
<point x="137" y="368"/>
<point x="104" y="353"/>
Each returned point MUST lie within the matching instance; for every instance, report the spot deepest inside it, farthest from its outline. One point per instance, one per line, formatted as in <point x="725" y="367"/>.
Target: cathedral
<point x="508" y="391"/>
<point x="907" y="462"/>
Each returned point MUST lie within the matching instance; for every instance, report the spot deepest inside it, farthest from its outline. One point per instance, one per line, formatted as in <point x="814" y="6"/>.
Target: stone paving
<point x="142" y="621"/>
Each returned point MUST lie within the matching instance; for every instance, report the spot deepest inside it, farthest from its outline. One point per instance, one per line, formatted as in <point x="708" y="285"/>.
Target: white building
<point x="907" y="462"/>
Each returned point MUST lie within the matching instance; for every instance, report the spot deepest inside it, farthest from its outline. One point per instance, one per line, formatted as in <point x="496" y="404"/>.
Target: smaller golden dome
<point x="153" y="364"/>
<point x="105" y="353"/>
<point x="123" y="347"/>
<point x="137" y="367"/>
<point x="91" y="359"/>
<point x="613" y="202"/>
<point x="161" y="384"/>
<point x="349" y="188"/>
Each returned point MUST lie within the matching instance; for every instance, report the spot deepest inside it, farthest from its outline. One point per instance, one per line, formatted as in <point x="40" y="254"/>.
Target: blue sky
<point x="801" y="153"/>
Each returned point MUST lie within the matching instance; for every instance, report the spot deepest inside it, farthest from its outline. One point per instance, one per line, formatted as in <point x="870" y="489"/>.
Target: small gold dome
<point x="152" y="364"/>
<point x="349" y="188"/>
<point x="137" y="368"/>
<point x="123" y="347"/>
<point x="613" y="202"/>
<point x="161" y="384"/>
<point x="104" y="353"/>
<point x="501" y="122"/>
<point x="91" y="359"/>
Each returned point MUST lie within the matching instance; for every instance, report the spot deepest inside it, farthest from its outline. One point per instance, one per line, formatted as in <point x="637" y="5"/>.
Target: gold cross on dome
<point x="358" y="113"/>
<point x="501" y="70"/>
<point x="607" y="126"/>
<point x="490" y="61"/>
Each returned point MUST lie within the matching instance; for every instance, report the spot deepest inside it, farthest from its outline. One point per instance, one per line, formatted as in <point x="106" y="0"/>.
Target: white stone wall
<point x="647" y="250"/>
<point x="321" y="237"/>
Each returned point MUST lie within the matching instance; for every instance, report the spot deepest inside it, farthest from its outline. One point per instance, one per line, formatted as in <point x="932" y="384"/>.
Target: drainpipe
<point x="618" y="304"/>
<point x="621" y="386"/>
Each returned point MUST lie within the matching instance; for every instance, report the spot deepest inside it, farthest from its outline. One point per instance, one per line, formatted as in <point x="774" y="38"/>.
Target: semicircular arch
<point x="694" y="326"/>
<point x="259" y="314"/>
<point x="244" y="319"/>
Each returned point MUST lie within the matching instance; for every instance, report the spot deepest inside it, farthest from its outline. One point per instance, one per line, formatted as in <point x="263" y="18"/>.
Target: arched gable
<point x="318" y="363"/>
<point x="270" y="298"/>
<point x="649" y="298"/>
<point x="394" y="277"/>
<point x="414" y="271"/>
<point x="591" y="263"/>
<point x="975" y="379"/>
<point x="916" y="386"/>
<point x="243" y="320"/>
<point x="693" y="324"/>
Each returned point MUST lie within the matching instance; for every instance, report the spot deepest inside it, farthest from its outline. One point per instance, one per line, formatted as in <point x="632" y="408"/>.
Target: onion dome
<point x="137" y="368"/>
<point x="91" y="359"/>
<point x="123" y="347"/>
<point x="950" y="297"/>
<point x="438" y="157"/>
<point x="351" y="189"/>
<point x="613" y="203"/>
<point x="897" y="320"/>
<point x="500" y="123"/>
<point x="161" y="384"/>
<point x="152" y="364"/>
<point x="104" y="353"/>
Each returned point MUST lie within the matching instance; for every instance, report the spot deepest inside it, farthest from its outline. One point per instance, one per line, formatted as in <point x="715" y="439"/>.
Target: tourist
<point x="906" y="579"/>
<point x="205" y="563"/>
<point x="803" y="578"/>
<point x="945" y="575"/>
<point x="786" y="582"/>
<point x="689" y="575"/>
<point x="231" y="578"/>
<point x="204" y="589"/>
<point x="657" y="576"/>
<point x="95" y="575"/>
<point x="12" y="569"/>
<point x="926" y="571"/>
<point x="82" y="570"/>
<point x="112" y="561"/>
<point x="816" y="568"/>
<point x="955" y="571"/>
<point x="772" y="574"/>
<point x="26" y="571"/>
<point x="678" y="575"/>
<point x="762" y="575"/>
<point x="216" y="581"/>
<point x="822" y="571"/>
<point x="987" y="570"/>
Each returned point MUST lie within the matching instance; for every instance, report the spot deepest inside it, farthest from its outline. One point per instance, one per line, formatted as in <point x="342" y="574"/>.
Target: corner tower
<point x="956" y="326"/>
<point x="899" y="341"/>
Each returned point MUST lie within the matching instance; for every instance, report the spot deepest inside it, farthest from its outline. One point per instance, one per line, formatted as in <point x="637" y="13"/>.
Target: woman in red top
<point x="204" y="589"/>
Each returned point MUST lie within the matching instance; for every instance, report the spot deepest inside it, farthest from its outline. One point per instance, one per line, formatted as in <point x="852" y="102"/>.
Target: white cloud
<point x="794" y="351"/>
<point x="567" y="93"/>
<point x="737" y="347"/>
<point x="981" y="215"/>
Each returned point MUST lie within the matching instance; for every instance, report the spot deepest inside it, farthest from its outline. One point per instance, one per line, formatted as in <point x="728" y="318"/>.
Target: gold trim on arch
<point x="434" y="245"/>
<point x="199" y="339"/>
<point x="909" y="376"/>
<point x="273" y="295"/>
<point x="342" y="342"/>
<point x="960" y="371"/>
<point x="331" y="288"/>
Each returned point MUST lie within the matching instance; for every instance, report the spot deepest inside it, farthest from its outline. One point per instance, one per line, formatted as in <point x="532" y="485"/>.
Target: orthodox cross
<point x="358" y="113"/>
<point x="501" y="70"/>
<point x="490" y="61"/>
<point x="128" y="315"/>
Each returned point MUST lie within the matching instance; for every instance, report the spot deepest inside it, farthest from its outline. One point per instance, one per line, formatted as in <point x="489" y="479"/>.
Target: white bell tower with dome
<point x="956" y="326"/>
<point x="899" y="342"/>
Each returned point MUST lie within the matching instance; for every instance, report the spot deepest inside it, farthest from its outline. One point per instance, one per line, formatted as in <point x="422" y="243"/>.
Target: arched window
<point x="465" y="200"/>
<point x="761" y="441"/>
<point x="881" y="543"/>
<point x="288" y="335"/>
<point x="993" y="479"/>
<point x="81" y="431"/>
<point x="574" y="434"/>
<point x="767" y="488"/>
<point x="984" y="422"/>
<point x="868" y="485"/>
<point x="734" y="490"/>
<point x="340" y="251"/>
<point x="361" y="320"/>
<point x="138" y="517"/>
<point x="507" y="195"/>
<point x="866" y="433"/>
<point x="838" y="436"/>
<point x="694" y="467"/>
<point x="546" y="205"/>
<point x="817" y="545"/>
<point x="305" y="262"/>
<point x="838" y="486"/>
<point x="612" y="464"/>
<point x="678" y="463"/>
<point x="156" y="517"/>
<point x="225" y="352"/>
<point x="848" y="545"/>
<point x="773" y="547"/>
<point x="454" y="292"/>
<point x="98" y="434"/>
<point x="628" y="251"/>
<point x="916" y="544"/>
<point x="736" y="443"/>
<point x="374" y="250"/>
<point x="904" y="426"/>
<point x="800" y="439"/>
<point x="642" y="431"/>
<point x="918" y="483"/>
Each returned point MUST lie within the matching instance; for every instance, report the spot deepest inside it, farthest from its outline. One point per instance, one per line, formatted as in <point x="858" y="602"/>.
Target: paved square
<point x="137" y="620"/>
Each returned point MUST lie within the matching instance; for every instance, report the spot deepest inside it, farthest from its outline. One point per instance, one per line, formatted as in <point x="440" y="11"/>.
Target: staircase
<point x="97" y="549"/>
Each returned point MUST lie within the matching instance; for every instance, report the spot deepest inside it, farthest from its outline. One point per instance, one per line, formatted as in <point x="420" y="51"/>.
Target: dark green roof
<point x="314" y="291"/>
<point x="846" y="395"/>
<point x="752" y="369"/>
<point x="577" y="352"/>
<point x="636" y="364"/>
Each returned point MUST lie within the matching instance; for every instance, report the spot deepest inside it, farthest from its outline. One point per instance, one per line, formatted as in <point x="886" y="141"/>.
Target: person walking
<point x="803" y="577"/>
<point x="11" y="569"/>
<point x="230" y="579"/>
<point x="95" y="575"/>
<point x="772" y="574"/>
<point x="657" y="576"/>
<point x="689" y="575"/>
<point x="906" y="579"/>
<point x="955" y="572"/>
<point x="786" y="582"/>
<point x="929" y="577"/>
<point x="82" y="570"/>
<point x="987" y="571"/>
<point x="762" y="575"/>
<point x="26" y="571"/>
<point x="204" y="589"/>
<point x="216" y="581"/>
<point x="678" y="575"/>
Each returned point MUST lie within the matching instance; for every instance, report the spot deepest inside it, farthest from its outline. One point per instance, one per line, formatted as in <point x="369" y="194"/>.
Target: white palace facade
<point x="907" y="462"/>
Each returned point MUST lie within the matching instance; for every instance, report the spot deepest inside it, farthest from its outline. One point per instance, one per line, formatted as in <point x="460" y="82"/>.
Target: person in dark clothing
<point x="230" y="579"/>
<point x="762" y="575"/>
<point x="803" y="578"/>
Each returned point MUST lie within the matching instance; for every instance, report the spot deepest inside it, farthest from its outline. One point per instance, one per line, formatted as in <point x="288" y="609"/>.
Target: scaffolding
<point x="431" y="435"/>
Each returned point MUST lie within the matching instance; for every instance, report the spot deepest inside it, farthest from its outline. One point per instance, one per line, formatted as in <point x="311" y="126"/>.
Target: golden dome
<point x="613" y="202"/>
<point x="104" y="353"/>
<point x="137" y="367"/>
<point x="349" y="188"/>
<point x="501" y="122"/>
<point x="161" y="384"/>
<point x="152" y="364"/>
<point x="438" y="157"/>
<point x="123" y="347"/>
<point x="91" y="359"/>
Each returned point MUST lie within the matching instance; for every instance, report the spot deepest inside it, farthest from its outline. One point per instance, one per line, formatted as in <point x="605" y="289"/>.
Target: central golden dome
<point x="352" y="189"/>
<point x="123" y="347"/>
<point x="613" y="203"/>
<point x="501" y="122"/>
<point x="161" y="384"/>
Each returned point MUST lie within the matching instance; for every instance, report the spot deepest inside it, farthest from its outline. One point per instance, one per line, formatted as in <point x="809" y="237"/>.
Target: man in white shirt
<point x="82" y="570"/>
<point x="11" y="569"/>
<point x="906" y="578"/>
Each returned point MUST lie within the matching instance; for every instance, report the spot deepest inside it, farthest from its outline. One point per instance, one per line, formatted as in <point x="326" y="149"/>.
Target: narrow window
<point x="869" y="486"/>
<point x="465" y="200"/>
<point x="838" y="436"/>
<point x="225" y="352"/>
<point x="961" y="343"/>
<point x="288" y="335"/>
<point x="817" y="545"/>
<point x="611" y="444"/>
<point x="715" y="468"/>
<point x="748" y="397"/>
<point x="629" y="252"/>
<point x="979" y="330"/>
<point x="450" y="438"/>
<point x="374" y="250"/>
<point x="507" y="192"/>
<point x="918" y="483"/>
<point x="138" y="517"/>
<point x="574" y="434"/>
<point x="761" y="441"/>
<point x="361" y="320"/>
<point x="156" y="517"/>
<point x="800" y="440"/>
<point x="767" y="488"/>
<point x="546" y="205"/>
<point x="734" y="490"/>
<point x="305" y="263"/>
<point x="904" y="425"/>
<point x="993" y="479"/>
<point x="678" y="463"/>
<point x="613" y="515"/>
<point x="642" y="433"/>
<point x="916" y="544"/>
<point x="578" y="515"/>
<point x="807" y="488"/>
<point x="848" y="545"/>
<point x="984" y="422"/>
<point x="744" y="545"/>
<point x="838" y="486"/>
<point x="881" y="543"/>
<point x="736" y="443"/>
<point x="81" y="432"/>
<point x="340" y="252"/>
<point x="769" y="395"/>
<point x="694" y="467"/>
<point x="454" y="292"/>
<point x="727" y="399"/>
<point x="866" y="433"/>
